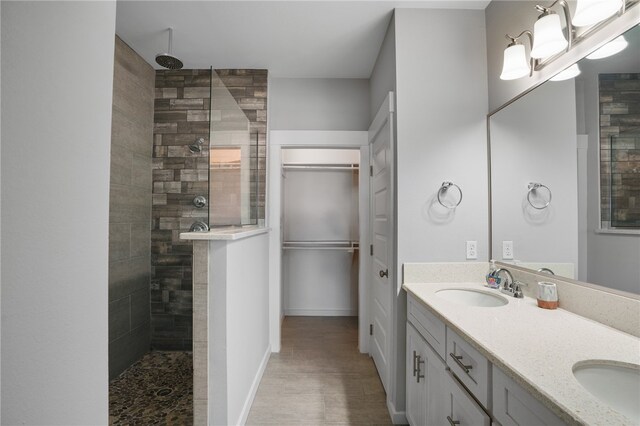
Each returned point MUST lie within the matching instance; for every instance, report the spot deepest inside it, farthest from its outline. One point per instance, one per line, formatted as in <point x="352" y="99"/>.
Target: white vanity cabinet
<point x="466" y="389"/>
<point x="426" y="401"/>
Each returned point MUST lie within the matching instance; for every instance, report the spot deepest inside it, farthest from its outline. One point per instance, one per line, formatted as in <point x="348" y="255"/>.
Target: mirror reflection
<point x="565" y="171"/>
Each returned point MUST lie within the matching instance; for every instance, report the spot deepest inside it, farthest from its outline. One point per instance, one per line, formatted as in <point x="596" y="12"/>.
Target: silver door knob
<point x="384" y="273"/>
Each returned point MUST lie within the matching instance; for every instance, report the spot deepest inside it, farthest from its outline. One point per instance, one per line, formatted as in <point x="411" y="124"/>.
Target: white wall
<point x="514" y="16"/>
<point x="238" y="325"/>
<point x="318" y="104"/>
<point x="612" y="258"/>
<point x="534" y="140"/>
<point x="57" y="73"/>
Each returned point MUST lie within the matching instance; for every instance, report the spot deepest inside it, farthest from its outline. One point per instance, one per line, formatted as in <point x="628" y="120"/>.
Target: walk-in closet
<point x="320" y="211"/>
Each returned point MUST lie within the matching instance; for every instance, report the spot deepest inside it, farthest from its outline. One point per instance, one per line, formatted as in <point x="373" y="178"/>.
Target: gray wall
<point x="319" y="104"/>
<point x="57" y="73"/>
<point x="383" y="76"/>
<point x="520" y="149"/>
<point x="130" y="208"/>
<point x="441" y="107"/>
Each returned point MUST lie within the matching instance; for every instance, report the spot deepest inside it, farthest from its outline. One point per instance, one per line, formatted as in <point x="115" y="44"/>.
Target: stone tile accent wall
<point x="182" y="114"/>
<point x="620" y="149"/>
<point x="182" y="100"/>
<point x="130" y="209"/>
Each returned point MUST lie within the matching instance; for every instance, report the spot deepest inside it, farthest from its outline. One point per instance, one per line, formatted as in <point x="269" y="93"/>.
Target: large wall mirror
<point x="565" y="174"/>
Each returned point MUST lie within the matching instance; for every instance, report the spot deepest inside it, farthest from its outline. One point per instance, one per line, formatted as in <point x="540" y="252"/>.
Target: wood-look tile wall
<point x="620" y="149"/>
<point x="182" y="114"/>
<point x="130" y="208"/>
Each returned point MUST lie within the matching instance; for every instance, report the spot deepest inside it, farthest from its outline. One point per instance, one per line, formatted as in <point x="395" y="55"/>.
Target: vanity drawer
<point x="514" y="406"/>
<point x="470" y="366"/>
<point x="430" y="327"/>
<point x="463" y="409"/>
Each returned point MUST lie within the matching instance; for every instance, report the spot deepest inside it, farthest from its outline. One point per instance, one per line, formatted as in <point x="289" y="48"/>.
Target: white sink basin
<point x="469" y="297"/>
<point x="616" y="385"/>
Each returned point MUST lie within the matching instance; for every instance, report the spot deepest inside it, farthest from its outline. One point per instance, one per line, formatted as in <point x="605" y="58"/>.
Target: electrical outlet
<point x="472" y="249"/>
<point x="507" y="250"/>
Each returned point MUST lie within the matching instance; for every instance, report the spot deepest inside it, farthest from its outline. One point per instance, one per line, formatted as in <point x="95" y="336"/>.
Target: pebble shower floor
<point x="156" y="390"/>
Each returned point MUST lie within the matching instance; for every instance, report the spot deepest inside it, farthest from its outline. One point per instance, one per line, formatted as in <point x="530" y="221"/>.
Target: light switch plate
<point x="472" y="250"/>
<point x="507" y="250"/>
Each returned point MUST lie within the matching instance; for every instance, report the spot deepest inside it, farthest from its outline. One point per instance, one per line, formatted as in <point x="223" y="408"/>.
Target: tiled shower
<point x="155" y="177"/>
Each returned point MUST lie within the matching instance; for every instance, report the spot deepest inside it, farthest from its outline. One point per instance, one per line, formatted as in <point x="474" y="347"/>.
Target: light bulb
<point x="614" y="46"/>
<point x="568" y="73"/>
<point x="548" y="38"/>
<point x="589" y="12"/>
<point x="515" y="64"/>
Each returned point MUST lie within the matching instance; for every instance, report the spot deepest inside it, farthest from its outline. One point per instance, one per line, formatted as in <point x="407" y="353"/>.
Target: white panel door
<point x="382" y="262"/>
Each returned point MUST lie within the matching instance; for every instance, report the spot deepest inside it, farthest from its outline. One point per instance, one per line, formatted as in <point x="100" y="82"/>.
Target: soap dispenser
<point x="493" y="281"/>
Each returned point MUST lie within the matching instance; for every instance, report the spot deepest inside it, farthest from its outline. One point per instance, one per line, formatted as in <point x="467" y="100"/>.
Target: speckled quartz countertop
<point x="226" y="233"/>
<point x="537" y="348"/>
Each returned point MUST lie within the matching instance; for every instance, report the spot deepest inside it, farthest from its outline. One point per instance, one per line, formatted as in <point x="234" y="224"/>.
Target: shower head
<point x="196" y="146"/>
<point x="167" y="60"/>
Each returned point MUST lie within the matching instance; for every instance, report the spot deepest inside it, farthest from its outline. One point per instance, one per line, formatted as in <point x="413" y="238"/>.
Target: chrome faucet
<point x="511" y="286"/>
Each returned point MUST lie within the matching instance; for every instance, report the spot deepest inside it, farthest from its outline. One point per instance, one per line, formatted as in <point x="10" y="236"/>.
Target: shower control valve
<point x="200" y="201"/>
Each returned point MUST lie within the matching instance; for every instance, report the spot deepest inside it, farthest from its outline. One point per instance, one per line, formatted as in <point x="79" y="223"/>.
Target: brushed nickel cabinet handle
<point x="458" y="360"/>
<point x="452" y="422"/>
<point x="419" y="375"/>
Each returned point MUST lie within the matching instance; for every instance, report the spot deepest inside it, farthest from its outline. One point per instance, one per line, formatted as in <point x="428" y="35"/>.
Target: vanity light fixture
<point x="589" y="12"/>
<point x="547" y="31"/>
<point x="549" y="39"/>
<point x="571" y="72"/>
<point x="515" y="63"/>
<point x="614" y="46"/>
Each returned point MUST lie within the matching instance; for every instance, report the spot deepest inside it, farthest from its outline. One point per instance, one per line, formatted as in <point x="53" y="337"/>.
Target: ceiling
<point x="296" y="39"/>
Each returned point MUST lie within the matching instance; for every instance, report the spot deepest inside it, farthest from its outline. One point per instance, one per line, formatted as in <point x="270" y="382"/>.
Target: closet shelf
<point x="320" y="245"/>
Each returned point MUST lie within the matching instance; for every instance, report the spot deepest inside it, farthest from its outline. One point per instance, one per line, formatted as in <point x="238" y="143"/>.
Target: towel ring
<point x="445" y="186"/>
<point x="533" y="186"/>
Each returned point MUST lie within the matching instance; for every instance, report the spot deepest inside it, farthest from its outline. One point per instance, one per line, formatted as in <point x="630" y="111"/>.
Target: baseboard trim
<point x="321" y="312"/>
<point x="254" y="388"/>
<point x="397" y="417"/>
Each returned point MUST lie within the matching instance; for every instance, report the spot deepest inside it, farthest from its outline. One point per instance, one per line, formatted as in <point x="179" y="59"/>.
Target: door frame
<point x="282" y="139"/>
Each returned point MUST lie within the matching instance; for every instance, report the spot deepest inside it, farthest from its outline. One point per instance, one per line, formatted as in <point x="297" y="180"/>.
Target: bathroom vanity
<point x="476" y="356"/>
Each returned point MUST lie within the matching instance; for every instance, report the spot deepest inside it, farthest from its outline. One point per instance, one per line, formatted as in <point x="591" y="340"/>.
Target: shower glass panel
<point x="233" y="163"/>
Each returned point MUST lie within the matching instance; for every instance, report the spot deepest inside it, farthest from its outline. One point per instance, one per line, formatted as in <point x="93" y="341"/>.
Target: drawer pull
<point x="453" y="422"/>
<point x="415" y="368"/>
<point x="457" y="359"/>
<point x="419" y="375"/>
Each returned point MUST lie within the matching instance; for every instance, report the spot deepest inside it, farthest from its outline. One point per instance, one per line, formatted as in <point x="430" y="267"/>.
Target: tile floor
<point x="156" y="390"/>
<point x="320" y="378"/>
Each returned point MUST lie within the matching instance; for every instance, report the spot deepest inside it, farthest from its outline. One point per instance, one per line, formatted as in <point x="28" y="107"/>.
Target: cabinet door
<point x="426" y="394"/>
<point x="416" y="387"/>
<point x="463" y="410"/>
<point x="514" y="406"/>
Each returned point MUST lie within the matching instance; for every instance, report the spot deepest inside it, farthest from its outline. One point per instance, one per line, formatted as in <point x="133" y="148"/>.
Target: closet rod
<point x="320" y="167"/>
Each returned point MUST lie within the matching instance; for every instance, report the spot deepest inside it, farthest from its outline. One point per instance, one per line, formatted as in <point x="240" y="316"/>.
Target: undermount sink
<point x="471" y="297"/>
<point x="617" y="385"/>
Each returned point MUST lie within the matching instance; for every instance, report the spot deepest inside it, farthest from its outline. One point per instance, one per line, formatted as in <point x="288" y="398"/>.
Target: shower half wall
<point x="184" y="113"/>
